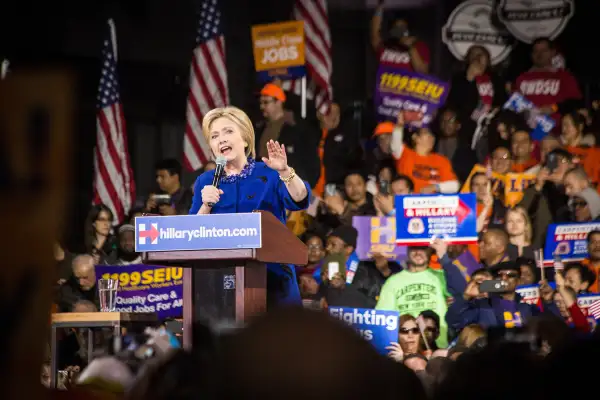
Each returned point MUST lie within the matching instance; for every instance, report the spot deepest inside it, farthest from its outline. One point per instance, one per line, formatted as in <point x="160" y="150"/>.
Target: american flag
<point x="317" y="45"/>
<point x="594" y="309"/>
<point x="208" y="83"/>
<point x="113" y="179"/>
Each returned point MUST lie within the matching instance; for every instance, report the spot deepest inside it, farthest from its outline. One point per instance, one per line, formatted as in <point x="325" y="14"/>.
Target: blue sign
<point x="198" y="232"/>
<point x="422" y="218"/>
<point x="568" y="241"/>
<point x="146" y="288"/>
<point x="540" y="124"/>
<point x="376" y="326"/>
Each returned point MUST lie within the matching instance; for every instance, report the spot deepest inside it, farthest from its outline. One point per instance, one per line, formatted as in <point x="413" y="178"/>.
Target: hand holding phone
<point x="493" y="286"/>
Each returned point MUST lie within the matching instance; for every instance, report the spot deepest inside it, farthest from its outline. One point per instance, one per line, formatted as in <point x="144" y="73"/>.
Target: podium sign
<point x="198" y="232"/>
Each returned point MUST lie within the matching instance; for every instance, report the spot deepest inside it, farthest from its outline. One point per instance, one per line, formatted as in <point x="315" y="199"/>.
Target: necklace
<point x="246" y="172"/>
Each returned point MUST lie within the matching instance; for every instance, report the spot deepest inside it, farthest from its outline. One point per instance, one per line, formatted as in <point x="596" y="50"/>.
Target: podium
<point x="223" y="257"/>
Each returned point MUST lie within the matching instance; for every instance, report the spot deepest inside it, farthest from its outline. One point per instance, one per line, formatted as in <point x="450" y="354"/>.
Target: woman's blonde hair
<point x="528" y="228"/>
<point x="469" y="335"/>
<point x="239" y="118"/>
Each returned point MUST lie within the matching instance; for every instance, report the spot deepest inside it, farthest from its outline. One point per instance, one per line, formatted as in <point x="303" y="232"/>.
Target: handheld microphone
<point x="219" y="171"/>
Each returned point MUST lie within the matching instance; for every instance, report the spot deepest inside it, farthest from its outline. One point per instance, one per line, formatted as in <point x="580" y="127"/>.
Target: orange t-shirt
<point x="590" y="160"/>
<point x="424" y="170"/>
<point x="320" y="186"/>
<point x="522" y="167"/>
<point x="596" y="270"/>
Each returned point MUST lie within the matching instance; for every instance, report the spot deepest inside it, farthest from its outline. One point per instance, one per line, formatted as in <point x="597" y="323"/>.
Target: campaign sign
<point x="422" y="218"/>
<point x="584" y="301"/>
<point x="397" y="89"/>
<point x="568" y="241"/>
<point x="198" y="232"/>
<point x="378" y="327"/>
<point x="279" y="50"/>
<point x="377" y="235"/>
<point x="530" y="294"/>
<point x="541" y="124"/>
<point x="146" y="288"/>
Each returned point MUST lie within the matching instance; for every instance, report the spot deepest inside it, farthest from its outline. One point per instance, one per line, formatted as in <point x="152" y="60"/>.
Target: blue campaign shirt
<point x="257" y="188"/>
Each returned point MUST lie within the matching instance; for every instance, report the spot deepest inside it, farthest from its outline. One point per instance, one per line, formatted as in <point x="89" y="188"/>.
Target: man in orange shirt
<point x="593" y="260"/>
<point x="430" y="172"/>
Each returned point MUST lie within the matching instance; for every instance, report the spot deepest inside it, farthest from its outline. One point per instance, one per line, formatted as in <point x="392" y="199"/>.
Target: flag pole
<point x="303" y="96"/>
<point x="4" y="68"/>
<point x="113" y="36"/>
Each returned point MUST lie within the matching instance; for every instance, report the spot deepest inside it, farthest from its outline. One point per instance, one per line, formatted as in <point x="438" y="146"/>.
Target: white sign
<point x="532" y="19"/>
<point x="470" y="24"/>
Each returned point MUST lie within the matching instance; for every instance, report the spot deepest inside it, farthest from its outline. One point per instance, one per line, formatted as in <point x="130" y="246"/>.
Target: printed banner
<point x="541" y="124"/>
<point x="198" y="232"/>
<point x="422" y="218"/>
<point x="584" y="301"/>
<point x="569" y="241"/>
<point x="377" y="235"/>
<point x="508" y="188"/>
<point x="279" y="50"/>
<point x="530" y="294"/>
<point x="147" y="288"/>
<point x="376" y="326"/>
<point x="398" y="89"/>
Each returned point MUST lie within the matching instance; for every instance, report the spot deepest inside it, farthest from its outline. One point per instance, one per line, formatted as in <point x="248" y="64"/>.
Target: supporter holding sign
<point x="147" y="288"/>
<point x="507" y="187"/>
<point x="416" y="289"/>
<point x="401" y="49"/>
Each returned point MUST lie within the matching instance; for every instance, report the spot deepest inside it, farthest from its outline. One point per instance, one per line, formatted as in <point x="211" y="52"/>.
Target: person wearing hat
<point x="503" y="309"/>
<point x="383" y="152"/>
<point x="416" y="289"/>
<point x="585" y="206"/>
<point x="301" y="140"/>
<point x="126" y="254"/>
<point x="366" y="277"/>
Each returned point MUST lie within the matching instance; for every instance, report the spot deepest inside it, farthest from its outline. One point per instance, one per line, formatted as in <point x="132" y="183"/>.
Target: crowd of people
<point x="458" y="336"/>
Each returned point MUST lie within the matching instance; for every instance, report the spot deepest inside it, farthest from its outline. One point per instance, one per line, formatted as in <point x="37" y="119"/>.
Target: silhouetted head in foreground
<point x="298" y="354"/>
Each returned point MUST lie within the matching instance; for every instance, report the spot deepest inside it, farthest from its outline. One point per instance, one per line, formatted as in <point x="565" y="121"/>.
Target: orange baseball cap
<point x="272" y="90"/>
<point x="384" y="128"/>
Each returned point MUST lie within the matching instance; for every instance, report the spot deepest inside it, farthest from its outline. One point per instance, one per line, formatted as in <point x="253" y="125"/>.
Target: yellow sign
<point x="279" y="45"/>
<point x="414" y="85"/>
<point x="509" y="187"/>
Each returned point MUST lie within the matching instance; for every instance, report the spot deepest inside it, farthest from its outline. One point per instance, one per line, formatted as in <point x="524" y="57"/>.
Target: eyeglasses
<point x="405" y="331"/>
<point x="431" y="329"/>
<point x="508" y="274"/>
<point x="579" y="204"/>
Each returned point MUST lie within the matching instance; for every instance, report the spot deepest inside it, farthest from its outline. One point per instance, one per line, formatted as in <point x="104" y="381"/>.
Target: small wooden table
<point x="113" y="320"/>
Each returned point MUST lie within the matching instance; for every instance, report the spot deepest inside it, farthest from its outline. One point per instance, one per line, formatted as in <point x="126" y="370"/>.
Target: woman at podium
<point x="248" y="185"/>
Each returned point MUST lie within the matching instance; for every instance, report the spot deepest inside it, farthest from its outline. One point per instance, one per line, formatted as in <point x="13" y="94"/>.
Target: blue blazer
<point x="260" y="190"/>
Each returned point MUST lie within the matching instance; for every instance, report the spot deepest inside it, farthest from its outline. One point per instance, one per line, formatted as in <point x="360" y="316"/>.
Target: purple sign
<point x="147" y="288"/>
<point x="377" y="235"/>
<point x="398" y="89"/>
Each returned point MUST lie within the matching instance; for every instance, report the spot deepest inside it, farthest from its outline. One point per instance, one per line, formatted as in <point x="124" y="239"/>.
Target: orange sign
<point x="509" y="187"/>
<point x="278" y="45"/>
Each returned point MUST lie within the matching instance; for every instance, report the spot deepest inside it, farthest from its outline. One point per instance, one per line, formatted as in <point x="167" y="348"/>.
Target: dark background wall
<point x="155" y="40"/>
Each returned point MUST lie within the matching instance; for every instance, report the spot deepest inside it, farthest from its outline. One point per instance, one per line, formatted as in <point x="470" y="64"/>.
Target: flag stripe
<point x="113" y="177"/>
<point x="208" y="83"/>
<point x="317" y="51"/>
